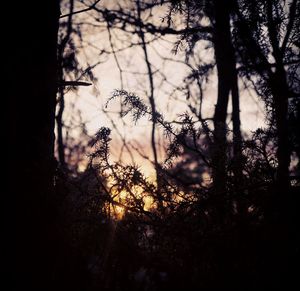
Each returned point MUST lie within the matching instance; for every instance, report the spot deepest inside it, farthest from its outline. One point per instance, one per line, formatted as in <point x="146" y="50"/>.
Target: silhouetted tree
<point x="32" y="98"/>
<point x="265" y="29"/>
<point x="227" y="83"/>
<point x="109" y="226"/>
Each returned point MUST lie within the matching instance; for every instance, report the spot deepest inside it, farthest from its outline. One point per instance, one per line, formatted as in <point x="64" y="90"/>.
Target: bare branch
<point x="82" y="10"/>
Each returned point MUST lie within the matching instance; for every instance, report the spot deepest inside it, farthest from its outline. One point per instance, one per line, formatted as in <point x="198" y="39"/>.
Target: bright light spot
<point x="148" y="200"/>
<point x="119" y="212"/>
<point x="206" y="179"/>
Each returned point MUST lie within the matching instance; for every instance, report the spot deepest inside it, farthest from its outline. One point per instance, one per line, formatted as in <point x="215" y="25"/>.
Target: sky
<point x="169" y="69"/>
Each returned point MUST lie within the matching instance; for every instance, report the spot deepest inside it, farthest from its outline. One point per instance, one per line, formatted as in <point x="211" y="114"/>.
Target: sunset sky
<point x="169" y="69"/>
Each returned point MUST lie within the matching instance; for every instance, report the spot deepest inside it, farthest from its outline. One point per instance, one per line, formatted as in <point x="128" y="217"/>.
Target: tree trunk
<point x="153" y="110"/>
<point x="236" y="124"/>
<point x="32" y="97"/>
<point x="227" y="81"/>
<point x="279" y="91"/>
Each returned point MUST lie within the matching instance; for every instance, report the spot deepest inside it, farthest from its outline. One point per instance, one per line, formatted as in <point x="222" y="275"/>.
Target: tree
<point x="264" y="30"/>
<point x="123" y="229"/>
<point x="32" y="98"/>
<point x="227" y="83"/>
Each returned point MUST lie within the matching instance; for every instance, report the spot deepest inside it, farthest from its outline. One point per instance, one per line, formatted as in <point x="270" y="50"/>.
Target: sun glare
<point x="124" y="199"/>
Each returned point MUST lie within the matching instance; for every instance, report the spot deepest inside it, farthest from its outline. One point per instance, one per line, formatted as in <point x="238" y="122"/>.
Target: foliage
<point x="177" y="230"/>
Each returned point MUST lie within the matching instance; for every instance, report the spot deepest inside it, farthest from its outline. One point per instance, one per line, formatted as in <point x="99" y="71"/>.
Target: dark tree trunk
<point x="221" y="36"/>
<point x="227" y="82"/>
<point x="236" y="124"/>
<point x="279" y="89"/>
<point x="32" y="42"/>
<point x="153" y="109"/>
